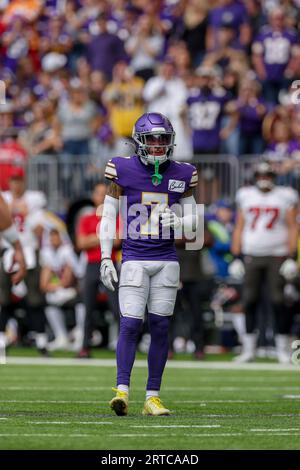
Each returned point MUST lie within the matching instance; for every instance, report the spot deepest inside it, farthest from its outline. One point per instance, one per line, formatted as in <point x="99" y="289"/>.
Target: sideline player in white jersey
<point x="26" y="208"/>
<point x="10" y="234"/>
<point x="266" y="236"/>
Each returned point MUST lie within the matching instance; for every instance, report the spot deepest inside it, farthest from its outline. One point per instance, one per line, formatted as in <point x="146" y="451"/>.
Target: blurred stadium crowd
<point x="77" y="75"/>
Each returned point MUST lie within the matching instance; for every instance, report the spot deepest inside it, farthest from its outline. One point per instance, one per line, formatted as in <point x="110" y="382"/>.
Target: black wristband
<point x="241" y="257"/>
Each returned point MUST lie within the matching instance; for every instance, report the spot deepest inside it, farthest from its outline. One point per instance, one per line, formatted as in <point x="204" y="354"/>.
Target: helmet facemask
<point x="265" y="184"/>
<point x="154" y="137"/>
<point x="154" y="146"/>
<point x="264" y="176"/>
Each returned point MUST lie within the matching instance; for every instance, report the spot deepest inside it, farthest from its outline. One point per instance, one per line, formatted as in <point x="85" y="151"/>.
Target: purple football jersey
<point x="233" y="15"/>
<point x="250" y="121"/>
<point x="144" y="241"/>
<point x="276" y="48"/>
<point x="205" y="111"/>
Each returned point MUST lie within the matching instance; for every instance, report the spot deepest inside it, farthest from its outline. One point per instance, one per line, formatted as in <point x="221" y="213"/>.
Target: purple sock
<point x="130" y="329"/>
<point x="158" y="352"/>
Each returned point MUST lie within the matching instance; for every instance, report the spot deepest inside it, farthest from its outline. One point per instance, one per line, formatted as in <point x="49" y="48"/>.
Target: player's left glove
<point x="236" y="270"/>
<point x="289" y="269"/>
<point x="170" y="220"/>
<point x="108" y="273"/>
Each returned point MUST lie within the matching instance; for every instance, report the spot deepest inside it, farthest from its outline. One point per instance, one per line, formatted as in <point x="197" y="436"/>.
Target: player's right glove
<point x="289" y="269"/>
<point x="236" y="269"/>
<point x="108" y="273"/>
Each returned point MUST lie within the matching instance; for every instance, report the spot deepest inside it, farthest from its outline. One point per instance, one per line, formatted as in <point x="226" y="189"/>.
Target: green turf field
<point x="66" y="407"/>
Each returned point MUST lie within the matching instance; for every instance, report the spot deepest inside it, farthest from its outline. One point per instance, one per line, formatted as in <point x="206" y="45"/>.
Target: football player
<point x="26" y="208"/>
<point x="266" y="235"/>
<point x="9" y="232"/>
<point x="149" y="275"/>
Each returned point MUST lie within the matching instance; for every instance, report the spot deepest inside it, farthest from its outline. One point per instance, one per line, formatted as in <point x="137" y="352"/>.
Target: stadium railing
<point x="66" y="178"/>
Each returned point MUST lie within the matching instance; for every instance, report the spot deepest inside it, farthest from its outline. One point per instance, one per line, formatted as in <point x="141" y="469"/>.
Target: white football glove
<point x="236" y="270"/>
<point x="289" y="269"/>
<point x="108" y="273"/>
<point x="170" y="220"/>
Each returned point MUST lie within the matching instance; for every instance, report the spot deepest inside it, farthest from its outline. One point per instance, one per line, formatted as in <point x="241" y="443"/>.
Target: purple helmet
<point x="154" y="137"/>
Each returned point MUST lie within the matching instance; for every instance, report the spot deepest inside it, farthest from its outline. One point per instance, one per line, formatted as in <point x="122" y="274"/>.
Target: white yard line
<point x="43" y="435"/>
<point x="223" y="434"/>
<point x="68" y="422"/>
<point x="178" y="426"/>
<point x="292" y="397"/>
<point x="143" y="363"/>
<point x="221" y="401"/>
<point x="274" y="430"/>
<point x="55" y="401"/>
<point x="175" y="435"/>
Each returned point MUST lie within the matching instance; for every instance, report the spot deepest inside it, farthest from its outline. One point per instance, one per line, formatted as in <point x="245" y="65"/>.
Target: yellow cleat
<point x="119" y="403"/>
<point x="154" y="407"/>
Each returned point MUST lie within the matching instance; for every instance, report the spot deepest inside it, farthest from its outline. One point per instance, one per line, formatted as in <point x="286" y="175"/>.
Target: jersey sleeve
<point x="118" y="171"/>
<point x="292" y="198"/>
<point x="239" y="197"/>
<point x="111" y="172"/>
<point x="194" y="178"/>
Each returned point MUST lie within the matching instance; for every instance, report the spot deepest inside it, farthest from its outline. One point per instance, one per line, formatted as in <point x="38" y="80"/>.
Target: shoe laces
<point x="157" y="402"/>
<point x="120" y="393"/>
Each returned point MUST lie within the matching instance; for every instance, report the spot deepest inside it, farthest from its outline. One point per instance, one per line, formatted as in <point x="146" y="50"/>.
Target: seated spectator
<point x="58" y="283"/>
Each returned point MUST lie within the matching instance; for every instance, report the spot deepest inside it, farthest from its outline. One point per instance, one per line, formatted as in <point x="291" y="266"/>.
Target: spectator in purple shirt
<point x="251" y="110"/>
<point x="227" y="53"/>
<point x="275" y="55"/>
<point x="234" y="14"/>
<point x="105" y="49"/>
<point x="55" y="38"/>
<point x="206" y="107"/>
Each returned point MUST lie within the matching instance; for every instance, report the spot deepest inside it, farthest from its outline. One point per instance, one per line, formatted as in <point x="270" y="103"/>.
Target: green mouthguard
<point x="156" y="177"/>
